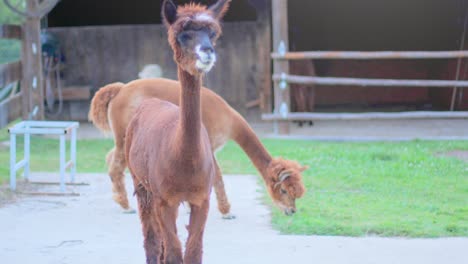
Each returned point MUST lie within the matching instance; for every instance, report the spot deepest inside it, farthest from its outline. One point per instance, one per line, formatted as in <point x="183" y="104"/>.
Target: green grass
<point x="385" y="189"/>
<point x="354" y="189"/>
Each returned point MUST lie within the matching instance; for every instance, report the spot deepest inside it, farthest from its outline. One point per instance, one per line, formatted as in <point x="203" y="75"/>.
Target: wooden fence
<point x="10" y="108"/>
<point x="281" y="112"/>
<point x="28" y="103"/>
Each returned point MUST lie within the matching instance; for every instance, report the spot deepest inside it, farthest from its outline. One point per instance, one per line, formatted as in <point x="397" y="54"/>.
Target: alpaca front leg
<point x="223" y="203"/>
<point x="167" y="216"/>
<point x="194" y="246"/>
<point x="117" y="175"/>
<point x="151" y="232"/>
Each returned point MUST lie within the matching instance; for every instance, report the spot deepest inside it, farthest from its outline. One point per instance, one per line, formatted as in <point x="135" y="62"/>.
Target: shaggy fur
<point x="168" y="149"/>
<point x="101" y="101"/>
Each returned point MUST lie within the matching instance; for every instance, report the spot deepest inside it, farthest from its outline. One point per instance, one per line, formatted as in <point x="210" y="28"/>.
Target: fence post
<point x="32" y="82"/>
<point x="281" y="41"/>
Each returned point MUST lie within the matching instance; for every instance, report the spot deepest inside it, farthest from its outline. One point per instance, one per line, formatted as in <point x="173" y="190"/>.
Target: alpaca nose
<point x="207" y="49"/>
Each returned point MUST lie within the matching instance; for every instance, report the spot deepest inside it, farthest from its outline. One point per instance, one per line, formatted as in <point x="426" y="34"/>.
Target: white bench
<point x="28" y="128"/>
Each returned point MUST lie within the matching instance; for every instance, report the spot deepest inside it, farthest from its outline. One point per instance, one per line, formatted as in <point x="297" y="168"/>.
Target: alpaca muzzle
<point x="206" y="58"/>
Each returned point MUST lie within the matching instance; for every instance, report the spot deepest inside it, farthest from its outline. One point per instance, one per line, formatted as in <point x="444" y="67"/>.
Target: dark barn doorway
<point x="370" y="25"/>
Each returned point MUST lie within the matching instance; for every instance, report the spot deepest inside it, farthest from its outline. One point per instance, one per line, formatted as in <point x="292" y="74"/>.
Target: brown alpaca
<point x="167" y="147"/>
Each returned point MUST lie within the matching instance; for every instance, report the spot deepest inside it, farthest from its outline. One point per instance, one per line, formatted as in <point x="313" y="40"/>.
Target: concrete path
<point x="357" y="130"/>
<point x="91" y="229"/>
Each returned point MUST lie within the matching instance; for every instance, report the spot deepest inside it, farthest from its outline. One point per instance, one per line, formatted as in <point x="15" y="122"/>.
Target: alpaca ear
<point x="284" y="175"/>
<point x="219" y="8"/>
<point x="169" y="12"/>
<point x="304" y="168"/>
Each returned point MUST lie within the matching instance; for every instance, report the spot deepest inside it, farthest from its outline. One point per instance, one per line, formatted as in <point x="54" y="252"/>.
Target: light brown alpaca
<point x="167" y="147"/>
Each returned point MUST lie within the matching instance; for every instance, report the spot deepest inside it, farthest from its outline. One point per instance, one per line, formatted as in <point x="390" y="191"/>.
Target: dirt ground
<point x="90" y="228"/>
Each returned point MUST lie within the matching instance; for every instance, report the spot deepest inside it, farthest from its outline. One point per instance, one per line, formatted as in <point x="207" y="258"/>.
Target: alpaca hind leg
<point x="151" y="232"/>
<point x="167" y="216"/>
<point x="117" y="175"/>
<point x="194" y="246"/>
<point x="223" y="203"/>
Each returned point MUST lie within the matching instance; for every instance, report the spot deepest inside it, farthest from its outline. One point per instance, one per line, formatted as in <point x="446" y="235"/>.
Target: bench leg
<point x="62" y="163"/>
<point x="27" y="155"/>
<point x="12" y="162"/>
<point x="73" y="154"/>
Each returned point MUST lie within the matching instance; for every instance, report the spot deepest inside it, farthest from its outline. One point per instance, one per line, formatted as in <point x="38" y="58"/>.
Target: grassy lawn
<point x="354" y="189"/>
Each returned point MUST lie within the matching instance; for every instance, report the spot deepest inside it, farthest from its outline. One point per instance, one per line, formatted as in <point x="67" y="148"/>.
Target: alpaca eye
<point x="184" y="37"/>
<point x="283" y="191"/>
<point x="212" y="35"/>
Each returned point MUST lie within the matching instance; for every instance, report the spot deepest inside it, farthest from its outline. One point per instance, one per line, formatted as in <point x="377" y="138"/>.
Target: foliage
<point x="9" y="17"/>
<point x="9" y="49"/>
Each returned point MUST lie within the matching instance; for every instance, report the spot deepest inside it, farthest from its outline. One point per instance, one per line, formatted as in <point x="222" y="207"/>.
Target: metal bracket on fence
<point x="282" y="48"/>
<point x="33" y="112"/>
<point x="34" y="83"/>
<point x="284" y="111"/>
<point x="283" y="84"/>
<point x="34" y="48"/>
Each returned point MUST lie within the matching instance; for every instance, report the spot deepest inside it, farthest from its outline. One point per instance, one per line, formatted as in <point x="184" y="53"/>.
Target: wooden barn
<point x="335" y="43"/>
<point x="112" y="40"/>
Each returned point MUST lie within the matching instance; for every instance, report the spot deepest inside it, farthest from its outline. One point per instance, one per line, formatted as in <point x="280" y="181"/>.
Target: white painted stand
<point x="28" y="128"/>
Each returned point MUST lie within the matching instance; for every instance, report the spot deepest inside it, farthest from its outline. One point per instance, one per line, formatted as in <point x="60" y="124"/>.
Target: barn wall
<point x="99" y="55"/>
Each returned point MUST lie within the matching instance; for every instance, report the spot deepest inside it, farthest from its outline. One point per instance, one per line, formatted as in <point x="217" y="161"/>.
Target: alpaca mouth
<point x="205" y="65"/>
<point x="289" y="211"/>
<point x="205" y="59"/>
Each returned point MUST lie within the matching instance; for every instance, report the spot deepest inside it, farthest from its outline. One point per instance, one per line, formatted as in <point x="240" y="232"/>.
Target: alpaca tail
<point x="100" y="104"/>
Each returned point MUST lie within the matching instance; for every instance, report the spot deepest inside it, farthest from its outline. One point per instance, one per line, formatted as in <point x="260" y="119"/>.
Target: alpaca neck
<point x="188" y="134"/>
<point x="249" y="142"/>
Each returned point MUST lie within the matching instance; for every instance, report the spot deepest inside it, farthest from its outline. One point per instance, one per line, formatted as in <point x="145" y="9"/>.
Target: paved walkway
<point x="357" y="130"/>
<point x="375" y="130"/>
<point x="91" y="229"/>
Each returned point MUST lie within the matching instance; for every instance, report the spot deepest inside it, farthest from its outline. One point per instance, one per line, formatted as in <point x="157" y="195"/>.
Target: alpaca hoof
<point x="129" y="211"/>
<point x="229" y="216"/>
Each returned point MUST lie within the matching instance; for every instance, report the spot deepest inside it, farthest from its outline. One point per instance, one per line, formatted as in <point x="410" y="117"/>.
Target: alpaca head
<point x="285" y="183"/>
<point x="193" y="30"/>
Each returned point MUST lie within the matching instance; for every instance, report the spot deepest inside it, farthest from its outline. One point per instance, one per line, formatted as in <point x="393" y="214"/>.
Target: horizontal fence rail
<point x="339" y="81"/>
<point x="10" y="31"/>
<point x="10" y="72"/>
<point x="370" y="55"/>
<point x="365" y="116"/>
<point x="10" y="109"/>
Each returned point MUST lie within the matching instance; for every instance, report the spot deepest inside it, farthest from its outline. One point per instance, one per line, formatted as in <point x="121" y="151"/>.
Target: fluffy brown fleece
<point x="168" y="149"/>
<point x="285" y="176"/>
<point x="101" y="101"/>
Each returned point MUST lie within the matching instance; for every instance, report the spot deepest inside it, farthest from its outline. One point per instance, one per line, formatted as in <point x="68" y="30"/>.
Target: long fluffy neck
<point x="244" y="135"/>
<point x="188" y="133"/>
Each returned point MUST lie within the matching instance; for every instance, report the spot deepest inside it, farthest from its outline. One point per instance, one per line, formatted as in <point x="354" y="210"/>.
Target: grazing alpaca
<point x="167" y="147"/>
